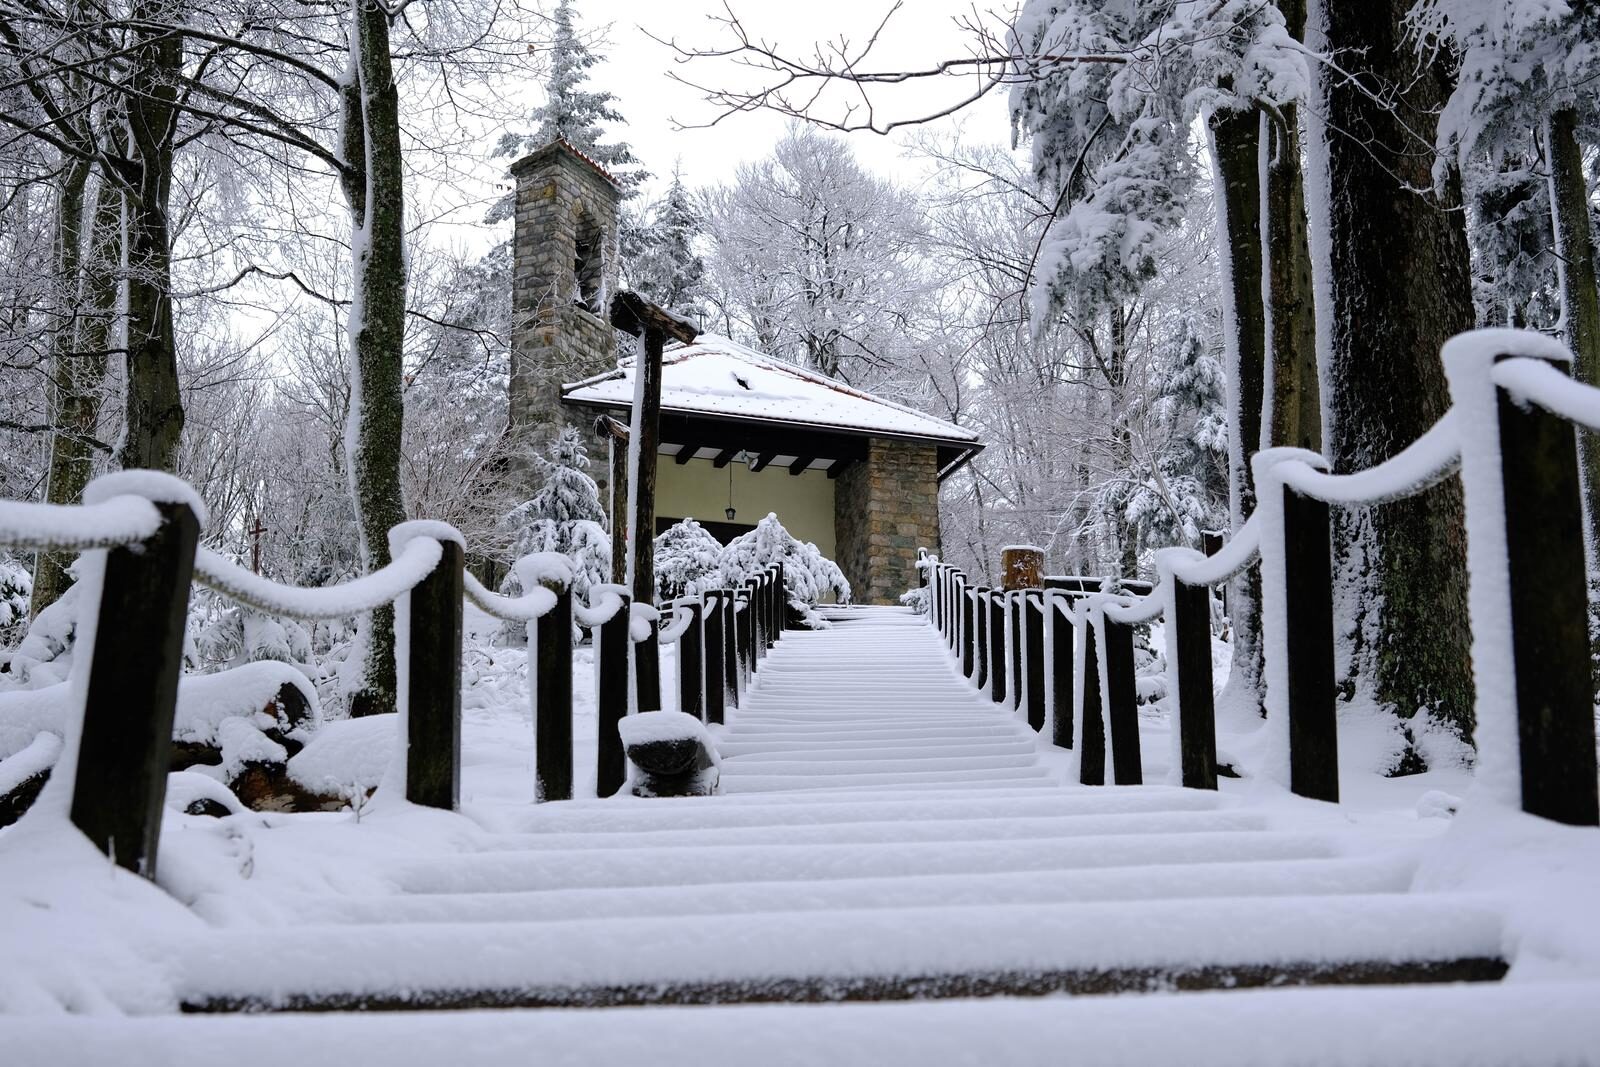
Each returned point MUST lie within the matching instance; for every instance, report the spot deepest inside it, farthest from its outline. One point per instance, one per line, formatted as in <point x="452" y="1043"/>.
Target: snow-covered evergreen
<point x="666" y="266"/>
<point x="564" y="516"/>
<point x="686" y="554"/>
<point x="808" y="575"/>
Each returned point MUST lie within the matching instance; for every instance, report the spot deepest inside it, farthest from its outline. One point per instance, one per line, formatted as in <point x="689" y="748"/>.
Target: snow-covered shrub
<point x="686" y="554"/>
<point x="916" y="599"/>
<point x="45" y="655"/>
<point x="807" y="573"/>
<point x="16" y="586"/>
<point x="226" y="634"/>
<point x="564" y="516"/>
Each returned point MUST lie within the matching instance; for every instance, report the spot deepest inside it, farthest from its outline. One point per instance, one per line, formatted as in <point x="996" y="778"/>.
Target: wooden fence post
<point x="691" y="673"/>
<point x="1308" y="617"/>
<point x="1033" y="614"/>
<point x="433" y="686"/>
<point x="732" y="682"/>
<point x="647" y="668"/>
<point x="997" y="646"/>
<point x="743" y="620"/>
<point x="715" y="683"/>
<point x="781" y="605"/>
<point x="1061" y="653"/>
<point x="1549" y="613"/>
<point x="1015" y="637"/>
<point x="1092" y="759"/>
<point x="1122" y="703"/>
<point x="1196" y="710"/>
<point x="124" y="748"/>
<point x="552" y="700"/>
<point x="980" y="638"/>
<point x="613" y="646"/>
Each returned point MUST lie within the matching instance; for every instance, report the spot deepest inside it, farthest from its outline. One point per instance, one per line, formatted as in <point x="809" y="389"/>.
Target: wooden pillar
<point x="647" y="669"/>
<point x="997" y="646"/>
<point x="980" y="637"/>
<point x="613" y="646"/>
<point x="552" y="700"/>
<point x="691" y="679"/>
<point x="1196" y="710"/>
<point x="1549" y="613"/>
<point x="125" y="748"/>
<point x="1033" y="623"/>
<point x="1122" y="703"/>
<point x="433" y="686"/>
<point x="1061" y="653"/>
<point x="1308" y="611"/>
<point x="1092" y="759"/>
<point x="715" y="663"/>
<point x="967" y="596"/>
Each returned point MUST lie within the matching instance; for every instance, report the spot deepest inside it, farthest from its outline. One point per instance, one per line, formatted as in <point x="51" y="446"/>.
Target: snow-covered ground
<point x="926" y="877"/>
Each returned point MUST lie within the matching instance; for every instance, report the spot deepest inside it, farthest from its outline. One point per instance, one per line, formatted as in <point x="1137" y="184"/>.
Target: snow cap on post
<point x="155" y="486"/>
<point x="552" y="570"/>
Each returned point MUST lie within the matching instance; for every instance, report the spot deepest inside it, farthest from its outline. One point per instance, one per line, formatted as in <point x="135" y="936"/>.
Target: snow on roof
<point x="724" y="379"/>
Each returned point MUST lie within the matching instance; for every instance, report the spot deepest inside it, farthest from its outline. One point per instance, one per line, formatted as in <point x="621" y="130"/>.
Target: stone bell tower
<point x="564" y="268"/>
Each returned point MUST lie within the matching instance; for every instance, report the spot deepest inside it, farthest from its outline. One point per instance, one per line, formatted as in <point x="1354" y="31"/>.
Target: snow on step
<point x="830" y="952"/>
<point x="1315" y="877"/>
<point x="699" y="865"/>
<point x="872" y="704"/>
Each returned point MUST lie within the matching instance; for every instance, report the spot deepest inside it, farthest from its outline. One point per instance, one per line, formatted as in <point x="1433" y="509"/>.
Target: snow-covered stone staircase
<point x="885" y="835"/>
<point x="873" y="702"/>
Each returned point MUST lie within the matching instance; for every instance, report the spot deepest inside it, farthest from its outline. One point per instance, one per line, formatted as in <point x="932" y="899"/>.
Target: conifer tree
<point x="564" y="516"/>
<point x="665" y="266"/>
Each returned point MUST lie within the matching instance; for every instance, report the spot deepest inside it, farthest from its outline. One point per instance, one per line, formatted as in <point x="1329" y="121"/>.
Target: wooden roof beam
<point x="761" y="462"/>
<point x="686" y="453"/>
<point x="799" y="466"/>
<point x="838" y="467"/>
<point x="725" y="457"/>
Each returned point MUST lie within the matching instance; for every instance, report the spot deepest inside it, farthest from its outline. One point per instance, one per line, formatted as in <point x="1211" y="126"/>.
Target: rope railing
<point x="1510" y="437"/>
<point x="141" y="531"/>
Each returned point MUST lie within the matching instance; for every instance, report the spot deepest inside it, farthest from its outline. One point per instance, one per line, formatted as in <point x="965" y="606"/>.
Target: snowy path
<point x="872" y="702"/>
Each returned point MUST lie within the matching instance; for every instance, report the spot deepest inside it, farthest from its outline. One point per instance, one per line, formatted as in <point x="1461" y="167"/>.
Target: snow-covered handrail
<point x="641" y="621"/>
<point x="525" y="608"/>
<point x="1539" y="382"/>
<point x="411" y="565"/>
<point x="122" y="520"/>
<point x="604" y="602"/>
<point x="1426" y="462"/>
<point x="681" y="617"/>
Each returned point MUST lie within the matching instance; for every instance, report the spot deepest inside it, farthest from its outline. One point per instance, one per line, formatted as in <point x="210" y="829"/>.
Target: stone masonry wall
<point x="884" y="510"/>
<point x="554" y="340"/>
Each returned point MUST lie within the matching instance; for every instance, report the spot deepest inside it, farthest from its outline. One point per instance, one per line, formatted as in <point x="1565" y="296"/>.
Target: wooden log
<point x="613" y="646"/>
<point x="1549" y="613"/>
<point x="1092" y="759"/>
<point x="132" y="693"/>
<point x="691" y="665"/>
<point x="715" y="664"/>
<point x="997" y="647"/>
<point x="1122" y="703"/>
<point x="1308" y="589"/>
<point x="1061" y="653"/>
<point x="552" y="701"/>
<point x="433" y="687"/>
<point x="1033" y="616"/>
<point x="1021" y="567"/>
<point x="1196" y="708"/>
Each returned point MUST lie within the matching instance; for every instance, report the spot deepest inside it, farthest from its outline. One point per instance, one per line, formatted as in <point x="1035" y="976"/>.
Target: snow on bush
<point x="16" y="586"/>
<point x="564" y="516"/>
<point x="916" y="599"/>
<point x="807" y="573"/>
<point x="44" y="658"/>
<point x="686" y="554"/>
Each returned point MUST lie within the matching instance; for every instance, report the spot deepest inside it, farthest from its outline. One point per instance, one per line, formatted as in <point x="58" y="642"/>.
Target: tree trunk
<point x="1122" y="459"/>
<point x="1236" y="148"/>
<point x="377" y="326"/>
<point x="1580" y="290"/>
<point x="79" y="356"/>
<point x="154" y="404"/>
<point x="1399" y="279"/>
<point x="1296" y="406"/>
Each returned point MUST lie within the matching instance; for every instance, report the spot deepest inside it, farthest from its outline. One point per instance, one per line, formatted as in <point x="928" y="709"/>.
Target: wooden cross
<point x="255" y="533"/>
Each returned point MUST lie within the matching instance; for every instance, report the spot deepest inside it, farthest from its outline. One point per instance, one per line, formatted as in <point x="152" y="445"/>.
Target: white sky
<point x="637" y="68"/>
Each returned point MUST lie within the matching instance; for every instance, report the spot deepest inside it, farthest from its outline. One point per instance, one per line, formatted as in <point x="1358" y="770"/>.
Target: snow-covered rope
<point x="1429" y="460"/>
<point x="640" y="621"/>
<point x="525" y="608"/>
<point x="1541" y="382"/>
<point x="604" y="602"/>
<point x="413" y="563"/>
<point x="681" y="616"/>
<point x="122" y="520"/>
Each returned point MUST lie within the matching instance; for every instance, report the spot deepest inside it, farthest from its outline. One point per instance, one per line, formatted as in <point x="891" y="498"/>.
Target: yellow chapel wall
<point x="698" y="490"/>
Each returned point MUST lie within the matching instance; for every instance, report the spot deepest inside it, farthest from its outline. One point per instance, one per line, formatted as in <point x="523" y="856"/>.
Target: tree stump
<point x="1021" y="567"/>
